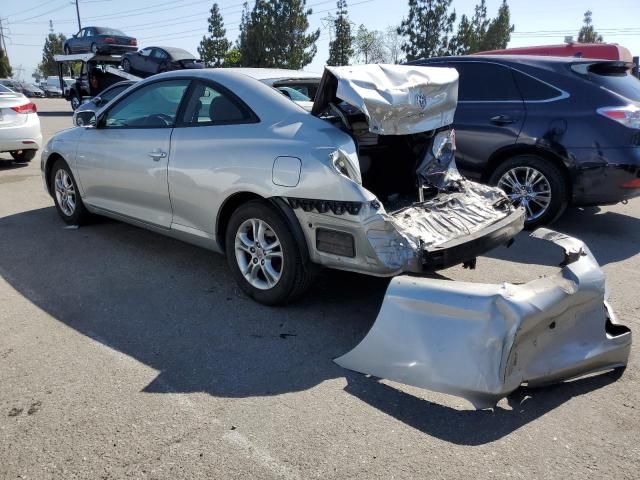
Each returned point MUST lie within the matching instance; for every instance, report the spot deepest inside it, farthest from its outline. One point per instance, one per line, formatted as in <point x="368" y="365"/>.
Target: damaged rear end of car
<point x="421" y="214"/>
<point x="477" y="341"/>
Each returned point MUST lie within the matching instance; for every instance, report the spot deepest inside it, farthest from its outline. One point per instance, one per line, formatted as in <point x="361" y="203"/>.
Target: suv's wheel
<point x="536" y="184"/>
<point x="23" y="156"/>
<point x="75" y="101"/>
<point x="66" y="195"/>
<point x="263" y="254"/>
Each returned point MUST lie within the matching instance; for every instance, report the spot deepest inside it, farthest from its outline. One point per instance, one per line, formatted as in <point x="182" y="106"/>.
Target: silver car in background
<point x="365" y="182"/>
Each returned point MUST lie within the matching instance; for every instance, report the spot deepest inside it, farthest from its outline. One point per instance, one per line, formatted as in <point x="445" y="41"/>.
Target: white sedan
<point x="20" y="133"/>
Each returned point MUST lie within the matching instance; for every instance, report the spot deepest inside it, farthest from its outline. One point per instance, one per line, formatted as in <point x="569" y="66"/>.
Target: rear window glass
<point x="620" y="82"/>
<point x="109" y="31"/>
<point x="534" y="90"/>
<point x="485" y="82"/>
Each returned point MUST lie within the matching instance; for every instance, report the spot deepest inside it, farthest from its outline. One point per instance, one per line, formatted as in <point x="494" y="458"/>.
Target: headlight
<point x="344" y="167"/>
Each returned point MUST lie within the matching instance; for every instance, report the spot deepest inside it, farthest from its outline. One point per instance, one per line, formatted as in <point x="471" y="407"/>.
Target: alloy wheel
<point x="529" y="188"/>
<point x="65" y="192"/>
<point x="259" y="254"/>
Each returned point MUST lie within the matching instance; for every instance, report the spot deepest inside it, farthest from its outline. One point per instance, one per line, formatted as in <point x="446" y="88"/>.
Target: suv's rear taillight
<point x="629" y="115"/>
<point x="26" y="108"/>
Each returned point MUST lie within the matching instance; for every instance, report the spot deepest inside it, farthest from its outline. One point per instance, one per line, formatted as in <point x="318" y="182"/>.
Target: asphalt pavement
<point x="125" y="354"/>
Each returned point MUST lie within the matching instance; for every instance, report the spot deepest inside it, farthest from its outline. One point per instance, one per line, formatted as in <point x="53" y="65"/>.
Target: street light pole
<point x="78" y="14"/>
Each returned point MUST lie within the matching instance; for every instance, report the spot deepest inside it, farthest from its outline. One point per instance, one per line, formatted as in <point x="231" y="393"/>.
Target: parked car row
<point x="27" y="89"/>
<point x="19" y="125"/>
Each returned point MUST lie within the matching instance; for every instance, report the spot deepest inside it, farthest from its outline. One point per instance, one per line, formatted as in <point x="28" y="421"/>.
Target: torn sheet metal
<point x="399" y="99"/>
<point x="481" y="341"/>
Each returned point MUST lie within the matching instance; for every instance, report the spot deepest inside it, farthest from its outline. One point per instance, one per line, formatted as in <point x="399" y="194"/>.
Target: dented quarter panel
<point x="481" y="341"/>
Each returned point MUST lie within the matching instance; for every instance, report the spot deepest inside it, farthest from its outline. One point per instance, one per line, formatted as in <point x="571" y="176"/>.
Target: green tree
<point x="341" y="48"/>
<point x="427" y="28"/>
<point x="213" y="48"/>
<point x="274" y="35"/>
<point x="482" y="33"/>
<point x="233" y="58"/>
<point x="52" y="46"/>
<point x="499" y="30"/>
<point x="587" y="33"/>
<point x="471" y="32"/>
<point x="5" y="68"/>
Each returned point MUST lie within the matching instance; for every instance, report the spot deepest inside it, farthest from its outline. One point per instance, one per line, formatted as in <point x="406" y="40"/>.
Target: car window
<point x="145" y="52"/>
<point x="617" y="79"/>
<point x="152" y="106"/>
<point x="88" y="32"/>
<point x="4" y="89"/>
<point x="209" y="105"/>
<point x="534" y="90"/>
<point x="157" y="53"/>
<point x="112" y="93"/>
<point x="295" y="93"/>
<point x="485" y="82"/>
<point x="108" y="31"/>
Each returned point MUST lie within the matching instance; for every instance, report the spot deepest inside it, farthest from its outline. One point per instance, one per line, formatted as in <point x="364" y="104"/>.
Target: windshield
<point x="109" y="31"/>
<point x="294" y="94"/>
<point x="4" y="89"/>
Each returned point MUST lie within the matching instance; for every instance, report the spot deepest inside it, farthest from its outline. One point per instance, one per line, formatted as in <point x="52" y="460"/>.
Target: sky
<point x="181" y="23"/>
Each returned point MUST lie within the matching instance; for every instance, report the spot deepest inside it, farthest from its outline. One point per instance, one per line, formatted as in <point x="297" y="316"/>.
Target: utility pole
<point x="78" y="14"/>
<point x="4" y="43"/>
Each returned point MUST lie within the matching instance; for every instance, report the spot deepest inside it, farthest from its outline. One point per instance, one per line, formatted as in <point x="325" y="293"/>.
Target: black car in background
<point x="31" y="91"/>
<point x="105" y="96"/>
<point x="100" y="40"/>
<point x="152" y="60"/>
<point x="550" y="131"/>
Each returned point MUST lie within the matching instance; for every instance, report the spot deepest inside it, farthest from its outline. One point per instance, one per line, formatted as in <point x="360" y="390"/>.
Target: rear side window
<point x="215" y="105"/>
<point x="533" y="90"/>
<point x="485" y="82"/>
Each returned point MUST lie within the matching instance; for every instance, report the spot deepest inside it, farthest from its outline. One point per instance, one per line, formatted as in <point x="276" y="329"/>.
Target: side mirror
<point x="85" y="118"/>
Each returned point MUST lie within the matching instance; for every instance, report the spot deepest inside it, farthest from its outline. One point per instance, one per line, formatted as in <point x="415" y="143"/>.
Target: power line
<point x="27" y="10"/>
<point x="63" y="5"/>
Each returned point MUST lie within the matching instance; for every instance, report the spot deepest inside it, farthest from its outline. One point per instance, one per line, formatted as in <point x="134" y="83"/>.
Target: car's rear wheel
<point x="67" y="50"/>
<point x="94" y="48"/>
<point x="264" y="256"/>
<point x="126" y="65"/>
<point x="23" y="156"/>
<point x="66" y="194"/>
<point x="536" y="184"/>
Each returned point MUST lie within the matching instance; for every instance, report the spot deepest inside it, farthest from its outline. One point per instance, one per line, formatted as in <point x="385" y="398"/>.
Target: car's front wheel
<point x="66" y="195"/>
<point x="126" y="65"/>
<point x="23" y="156"/>
<point x="264" y="256"/>
<point x="536" y="184"/>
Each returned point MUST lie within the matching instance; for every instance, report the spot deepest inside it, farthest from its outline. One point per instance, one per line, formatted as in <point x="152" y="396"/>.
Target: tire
<point x="23" y="156"/>
<point x="75" y="101"/>
<point x="94" y="48"/>
<point x="526" y="179"/>
<point x="65" y="188"/>
<point x="126" y="65"/>
<point x="277" y="278"/>
<point x="67" y="50"/>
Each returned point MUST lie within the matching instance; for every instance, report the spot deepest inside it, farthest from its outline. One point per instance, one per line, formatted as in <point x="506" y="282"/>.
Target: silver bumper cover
<point x="481" y="341"/>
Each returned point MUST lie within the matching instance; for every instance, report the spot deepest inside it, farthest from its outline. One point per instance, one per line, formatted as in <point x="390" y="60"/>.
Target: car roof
<point x="533" y="60"/>
<point x="273" y="73"/>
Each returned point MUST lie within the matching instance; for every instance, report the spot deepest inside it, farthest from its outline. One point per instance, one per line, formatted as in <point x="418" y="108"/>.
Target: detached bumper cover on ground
<point x="481" y="341"/>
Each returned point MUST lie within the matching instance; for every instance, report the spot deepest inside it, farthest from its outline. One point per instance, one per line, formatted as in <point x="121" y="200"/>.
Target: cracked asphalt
<point x="124" y="354"/>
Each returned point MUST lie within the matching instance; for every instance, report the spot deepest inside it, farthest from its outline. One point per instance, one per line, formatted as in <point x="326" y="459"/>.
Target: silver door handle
<point x="157" y="155"/>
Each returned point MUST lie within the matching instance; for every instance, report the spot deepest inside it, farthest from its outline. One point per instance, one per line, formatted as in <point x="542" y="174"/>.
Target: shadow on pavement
<point x="469" y="427"/>
<point x="56" y="113"/>
<point x="611" y="237"/>
<point x="7" y="164"/>
<point x="175" y="308"/>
